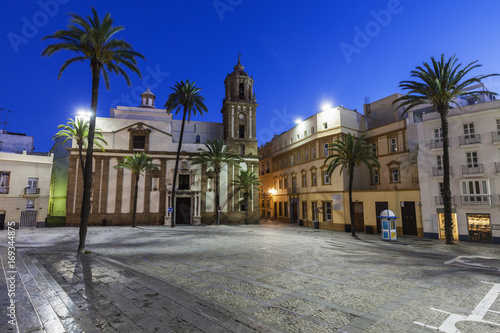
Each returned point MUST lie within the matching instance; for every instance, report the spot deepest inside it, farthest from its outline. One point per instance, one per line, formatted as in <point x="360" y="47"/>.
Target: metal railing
<point x="439" y="171"/>
<point x="473" y="170"/>
<point x="438" y="200"/>
<point x="436" y="144"/>
<point x="476" y="200"/>
<point x="31" y="190"/>
<point x="470" y="139"/>
<point x="293" y="190"/>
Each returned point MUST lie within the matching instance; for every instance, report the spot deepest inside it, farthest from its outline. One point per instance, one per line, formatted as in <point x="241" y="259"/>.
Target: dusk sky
<point x="301" y="54"/>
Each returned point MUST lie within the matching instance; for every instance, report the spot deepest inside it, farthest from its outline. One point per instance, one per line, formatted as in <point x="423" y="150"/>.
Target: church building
<point x="149" y="129"/>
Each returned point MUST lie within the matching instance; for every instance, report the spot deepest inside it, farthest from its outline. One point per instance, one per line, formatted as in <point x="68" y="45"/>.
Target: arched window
<point x="242" y="91"/>
<point x="198" y="139"/>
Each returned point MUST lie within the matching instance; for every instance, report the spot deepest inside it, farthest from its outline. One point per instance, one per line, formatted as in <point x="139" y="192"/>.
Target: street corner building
<point x="149" y="129"/>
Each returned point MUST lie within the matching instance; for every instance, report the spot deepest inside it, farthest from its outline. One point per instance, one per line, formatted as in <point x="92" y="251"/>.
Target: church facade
<point x="148" y="129"/>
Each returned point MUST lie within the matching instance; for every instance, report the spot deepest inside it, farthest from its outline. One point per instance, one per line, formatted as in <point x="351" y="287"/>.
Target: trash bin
<point x="369" y="229"/>
<point x="315" y="224"/>
<point x="388" y="220"/>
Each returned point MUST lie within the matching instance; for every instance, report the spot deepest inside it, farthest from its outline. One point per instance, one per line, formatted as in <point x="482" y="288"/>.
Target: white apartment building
<point x="474" y="133"/>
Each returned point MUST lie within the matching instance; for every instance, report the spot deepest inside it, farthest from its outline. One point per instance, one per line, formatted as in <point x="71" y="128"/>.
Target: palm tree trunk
<point x="351" y="204"/>
<point x="174" y="182"/>
<point x="448" y="222"/>
<point x="217" y="194"/>
<point x="87" y="177"/>
<point x="246" y="208"/>
<point x="82" y="165"/>
<point x="136" y="189"/>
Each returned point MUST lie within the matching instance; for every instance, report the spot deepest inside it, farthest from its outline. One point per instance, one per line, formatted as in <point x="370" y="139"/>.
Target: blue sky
<point x="301" y="53"/>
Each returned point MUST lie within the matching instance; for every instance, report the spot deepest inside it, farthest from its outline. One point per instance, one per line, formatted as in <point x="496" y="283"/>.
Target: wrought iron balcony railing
<point x="473" y="169"/>
<point x="32" y="190"/>
<point x="470" y="139"/>
<point x="476" y="200"/>
<point x="495" y="136"/>
<point x="438" y="200"/>
<point x="439" y="171"/>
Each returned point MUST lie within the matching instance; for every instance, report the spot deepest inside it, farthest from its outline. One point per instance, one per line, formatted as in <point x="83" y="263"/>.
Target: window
<point x="286" y="161"/>
<point x="281" y="183"/>
<point x="267" y="170"/>
<point x="275" y="183"/>
<point x="475" y="191"/>
<point x="305" y="134"/>
<point x="4" y="182"/>
<point x="242" y="208"/>
<point x="280" y="164"/>
<point x="469" y="131"/>
<point x="325" y="147"/>
<point x="304" y="210"/>
<point x="286" y="182"/>
<point x="314" y="153"/>
<point x="298" y="158"/>
<point x="291" y="140"/>
<point x="242" y="91"/>
<point x="498" y="125"/>
<point x="374" y="148"/>
<point x="183" y="182"/>
<point x="395" y="175"/>
<point x="472" y="159"/>
<point x="375" y="176"/>
<point x="313" y="179"/>
<point x="294" y="182"/>
<point x="242" y="132"/>
<point x="304" y="180"/>
<point x="198" y="139"/>
<point x="280" y="209"/>
<point x="325" y="125"/>
<point x="312" y="130"/>
<point x="291" y="160"/>
<point x="326" y="178"/>
<point x="438" y="135"/>
<point x="327" y="210"/>
<point x="393" y="143"/>
<point x="306" y="153"/>
<point x="285" y="209"/>
<point x="30" y="204"/>
<point x="298" y="137"/>
<point x="32" y="187"/>
<point x="155" y="181"/>
<point x="439" y="161"/>
<point x="242" y="150"/>
<point x="314" y="210"/>
<point x="139" y="142"/>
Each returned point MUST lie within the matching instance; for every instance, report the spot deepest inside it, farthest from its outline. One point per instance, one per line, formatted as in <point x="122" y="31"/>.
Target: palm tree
<point x="348" y="153"/>
<point x="138" y="164"/>
<point x="216" y="156"/>
<point x="440" y="84"/>
<point x="246" y="181"/>
<point x="186" y="97"/>
<point x="78" y="130"/>
<point x="93" y="39"/>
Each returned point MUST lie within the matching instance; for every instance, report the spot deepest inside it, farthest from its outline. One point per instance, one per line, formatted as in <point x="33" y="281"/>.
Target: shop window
<point x="479" y="228"/>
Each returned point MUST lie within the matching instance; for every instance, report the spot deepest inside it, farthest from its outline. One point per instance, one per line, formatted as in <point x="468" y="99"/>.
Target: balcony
<point x="471" y="139"/>
<point x="439" y="171"/>
<point x="438" y="200"/>
<point x="468" y="170"/>
<point x="436" y="144"/>
<point x="31" y="190"/>
<point x="4" y="190"/>
<point x="293" y="190"/>
<point x="497" y="168"/>
<point x="476" y="200"/>
<point x="495" y="137"/>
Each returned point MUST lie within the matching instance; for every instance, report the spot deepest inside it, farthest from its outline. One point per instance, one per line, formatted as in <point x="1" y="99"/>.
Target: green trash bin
<point x="315" y="224"/>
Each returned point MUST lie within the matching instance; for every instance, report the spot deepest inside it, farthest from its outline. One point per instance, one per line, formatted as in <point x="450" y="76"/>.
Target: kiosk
<point x="388" y="220"/>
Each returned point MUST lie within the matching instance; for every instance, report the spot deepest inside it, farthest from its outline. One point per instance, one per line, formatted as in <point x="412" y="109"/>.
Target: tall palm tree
<point x="185" y="97"/>
<point x="348" y="153"/>
<point x="216" y="156"/>
<point x="138" y="164"/>
<point x="78" y="131"/>
<point x="247" y="181"/>
<point x="440" y="84"/>
<point x="92" y="39"/>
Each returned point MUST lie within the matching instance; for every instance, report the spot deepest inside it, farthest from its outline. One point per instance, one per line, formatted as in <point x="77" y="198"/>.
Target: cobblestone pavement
<point x="255" y="278"/>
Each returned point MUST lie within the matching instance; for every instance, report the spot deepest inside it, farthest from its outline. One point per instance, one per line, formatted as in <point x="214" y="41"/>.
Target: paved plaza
<point x="258" y="278"/>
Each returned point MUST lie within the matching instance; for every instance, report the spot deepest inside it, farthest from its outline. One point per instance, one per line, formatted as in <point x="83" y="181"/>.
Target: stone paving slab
<point x="273" y="277"/>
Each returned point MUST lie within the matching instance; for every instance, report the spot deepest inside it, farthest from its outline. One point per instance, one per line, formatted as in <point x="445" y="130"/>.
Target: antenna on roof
<point x="367" y="107"/>
<point x="5" y="120"/>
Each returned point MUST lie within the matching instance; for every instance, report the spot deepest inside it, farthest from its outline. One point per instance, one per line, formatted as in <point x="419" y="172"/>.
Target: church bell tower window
<point x="242" y="91"/>
<point x="242" y="132"/>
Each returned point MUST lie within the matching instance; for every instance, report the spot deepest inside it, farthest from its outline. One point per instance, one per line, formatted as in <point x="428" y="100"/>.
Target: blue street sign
<point x="170" y="209"/>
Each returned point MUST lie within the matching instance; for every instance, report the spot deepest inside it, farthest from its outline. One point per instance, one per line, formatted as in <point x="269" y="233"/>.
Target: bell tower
<point x="238" y="112"/>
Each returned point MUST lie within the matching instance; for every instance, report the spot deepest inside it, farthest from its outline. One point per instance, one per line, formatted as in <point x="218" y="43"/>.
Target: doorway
<point x="295" y="213"/>
<point x="275" y="210"/>
<point x="359" y="218"/>
<point x="183" y="211"/>
<point x="408" y="218"/>
<point x="379" y="208"/>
